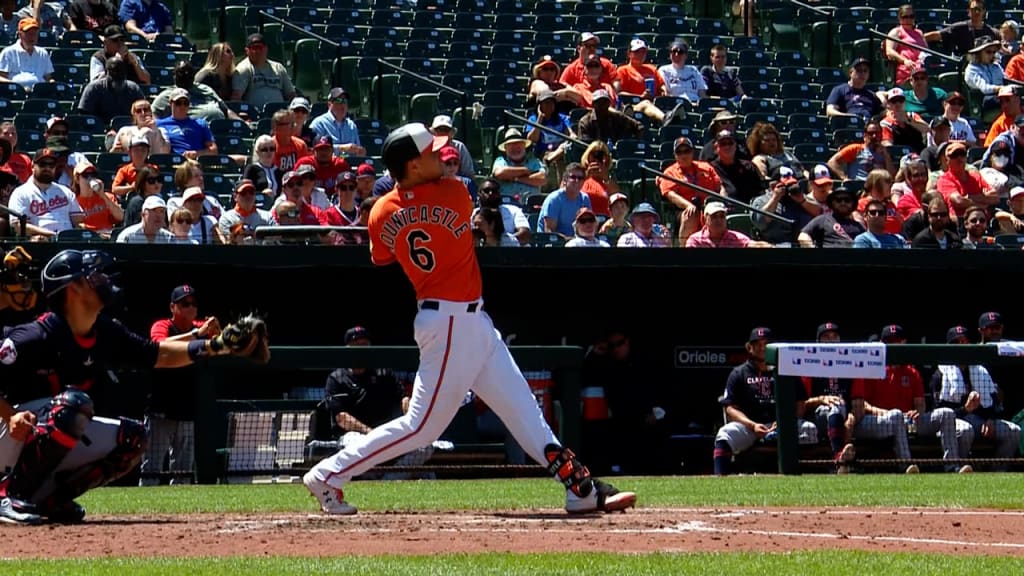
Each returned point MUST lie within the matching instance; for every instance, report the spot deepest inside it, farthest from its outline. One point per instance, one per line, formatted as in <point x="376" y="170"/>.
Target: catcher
<point x="52" y="447"/>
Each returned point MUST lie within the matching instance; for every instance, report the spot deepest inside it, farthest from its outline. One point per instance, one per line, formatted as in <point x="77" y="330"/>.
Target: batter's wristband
<point x="197" y="349"/>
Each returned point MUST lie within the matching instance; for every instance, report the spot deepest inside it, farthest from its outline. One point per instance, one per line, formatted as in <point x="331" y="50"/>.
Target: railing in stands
<point x="715" y="195"/>
<point x="378" y="97"/>
<point x="267" y="16"/>
<point x="942" y="56"/>
<point x="22" y="221"/>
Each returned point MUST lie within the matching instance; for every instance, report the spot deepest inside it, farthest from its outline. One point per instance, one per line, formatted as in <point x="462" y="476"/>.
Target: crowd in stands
<point x="121" y="129"/>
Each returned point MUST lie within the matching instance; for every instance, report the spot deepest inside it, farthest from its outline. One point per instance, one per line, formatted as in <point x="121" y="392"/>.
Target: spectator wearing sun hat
<point x="546" y="73"/>
<point x="647" y="233"/>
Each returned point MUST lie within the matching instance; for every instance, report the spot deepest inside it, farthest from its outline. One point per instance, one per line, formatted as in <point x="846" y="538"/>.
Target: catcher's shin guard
<point x="132" y="439"/>
<point x="563" y="465"/>
<point x="56" y="433"/>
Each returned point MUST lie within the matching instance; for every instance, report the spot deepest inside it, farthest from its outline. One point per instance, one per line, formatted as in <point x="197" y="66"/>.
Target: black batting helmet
<point x="70" y="265"/>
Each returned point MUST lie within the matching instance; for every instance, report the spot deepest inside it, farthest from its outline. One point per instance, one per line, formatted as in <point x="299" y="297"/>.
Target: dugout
<point x="689" y="309"/>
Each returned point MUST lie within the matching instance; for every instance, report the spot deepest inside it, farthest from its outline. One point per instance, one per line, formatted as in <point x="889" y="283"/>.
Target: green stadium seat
<point x="306" y="71"/>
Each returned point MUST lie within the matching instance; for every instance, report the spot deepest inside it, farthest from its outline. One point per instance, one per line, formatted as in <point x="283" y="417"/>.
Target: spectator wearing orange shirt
<point x="1009" y="103"/>
<point x="961" y="187"/>
<point x="855" y="161"/>
<point x="574" y="73"/>
<point x="289" y="148"/>
<point x="592" y="83"/>
<point x="682" y="197"/>
<point x="599" y="185"/>
<point x="102" y="212"/>
<point x="19" y="163"/>
<point x="138" y="153"/>
<point x="639" y="78"/>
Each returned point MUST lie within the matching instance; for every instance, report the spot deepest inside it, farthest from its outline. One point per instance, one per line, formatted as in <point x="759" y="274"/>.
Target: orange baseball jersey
<point x="428" y="230"/>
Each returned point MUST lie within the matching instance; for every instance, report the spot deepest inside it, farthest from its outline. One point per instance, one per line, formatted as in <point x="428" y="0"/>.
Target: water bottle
<point x="96" y="185"/>
<point x="911" y="426"/>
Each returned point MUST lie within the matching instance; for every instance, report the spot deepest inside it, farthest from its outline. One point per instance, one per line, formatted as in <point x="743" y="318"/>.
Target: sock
<point x="723" y="456"/>
<point x="835" y="432"/>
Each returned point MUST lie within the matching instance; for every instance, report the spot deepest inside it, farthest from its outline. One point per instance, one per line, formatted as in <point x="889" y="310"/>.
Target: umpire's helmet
<point x="70" y="265"/>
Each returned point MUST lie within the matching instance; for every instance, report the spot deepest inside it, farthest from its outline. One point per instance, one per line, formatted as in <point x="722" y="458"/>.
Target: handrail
<point x="810" y="8"/>
<point x="22" y="221"/>
<point x="546" y="129"/>
<point x="463" y="95"/>
<point x="266" y="15"/>
<point x="715" y="195"/>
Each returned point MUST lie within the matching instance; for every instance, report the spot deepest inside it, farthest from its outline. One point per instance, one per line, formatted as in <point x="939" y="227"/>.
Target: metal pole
<point x="463" y="120"/>
<point x="379" y="94"/>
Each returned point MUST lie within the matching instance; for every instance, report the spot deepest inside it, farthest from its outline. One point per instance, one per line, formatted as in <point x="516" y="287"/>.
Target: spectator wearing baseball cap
<point x="366" y="176"/>
<point x="204" y="228"/>
<point x="820" y="185"/>
<point x="326" y="165"/>
<point x="61" y="211"/>
<point x="836" y="229"/>
<point x="308" y="214"/>
<point x="113" y="41"/>
<point x="1012" y="221"/>
<point x="300" y="108"/>
<point x="345" y="210"/>
<point x="187" y="136"/>
<point x="637" y="76"/>
<point x="686" y="199"/>
<point x="336" y="124"/>
<point x="740" y="178"/>
<point x="716" y="233"/>
<point x="682" y="80"/>
<point x="548" y="146"/>
<point x="451" y="161"/>
<point x="442" y="125"/>
<point x="586" y="48"/>
<point x="853" y="98"/>
<point x="922" y="97"/>
<point x="962" y="187"/>
<point x="585" y="226"/>
<point x="855" y="160"/>
<point x="238" y="223"/>
<point x="152" y="228"/>
<point x="618" y="223"/>
<point x="25" y="63"/>
<point x="592" y="88"/>
<point x="146" y="19"/>
<point x="785" y="197"/>
<point x="605" y="123"/>
<point x="899" y="127"/>
<point x="274" y="85"/>
<point x="646" y="232"/>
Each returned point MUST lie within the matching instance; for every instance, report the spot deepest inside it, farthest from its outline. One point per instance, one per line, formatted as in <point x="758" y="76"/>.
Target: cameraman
<point x="786" y="197"/>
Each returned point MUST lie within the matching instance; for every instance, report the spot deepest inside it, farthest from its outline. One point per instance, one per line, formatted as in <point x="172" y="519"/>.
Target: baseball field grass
<point x="925" y="491"/>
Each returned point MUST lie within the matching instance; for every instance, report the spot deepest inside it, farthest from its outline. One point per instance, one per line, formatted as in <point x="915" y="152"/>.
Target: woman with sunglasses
<point x="218" y="70"/>
<point x="878" y="187"/>
<point x="344" y="211"/>
<point x="262" y="171"/>
<point x="147" y="183"/>
<point x="102" y="212"/>
<point x="907" y="57"/>
<point x="181" y="226"/>
<point x="585" y="226"/>
<point x="143" y="126"/>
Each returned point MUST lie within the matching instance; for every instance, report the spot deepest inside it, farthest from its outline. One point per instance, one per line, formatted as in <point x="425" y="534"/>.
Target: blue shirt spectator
<point x="185" y="135"/>
<point x="146" y="17"/>
<point x="884" y="240"/>
<point x="336" y="124"/>
<point x="558" y="212"/>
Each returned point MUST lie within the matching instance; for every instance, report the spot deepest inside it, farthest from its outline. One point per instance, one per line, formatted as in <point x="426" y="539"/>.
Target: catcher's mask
<point x="16" y="279"/>
<point x="70" y="265"/>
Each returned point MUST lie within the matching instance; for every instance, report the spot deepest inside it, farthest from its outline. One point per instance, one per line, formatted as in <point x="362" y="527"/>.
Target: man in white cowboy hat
<point x="520" y="174"/>
<point x="442" y="124"/>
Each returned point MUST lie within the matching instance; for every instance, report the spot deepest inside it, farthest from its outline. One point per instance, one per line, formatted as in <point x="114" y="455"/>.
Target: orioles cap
<point x="408" y="143"/>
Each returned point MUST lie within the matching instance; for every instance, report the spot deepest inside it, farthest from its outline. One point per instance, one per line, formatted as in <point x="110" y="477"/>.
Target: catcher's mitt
<point x="246" y="337"/>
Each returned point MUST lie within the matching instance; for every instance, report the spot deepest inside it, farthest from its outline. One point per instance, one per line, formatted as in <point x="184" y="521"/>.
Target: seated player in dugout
<point x="828" y="401"/>
<point x="749" y="403"/>
<point x="360" y="399"/>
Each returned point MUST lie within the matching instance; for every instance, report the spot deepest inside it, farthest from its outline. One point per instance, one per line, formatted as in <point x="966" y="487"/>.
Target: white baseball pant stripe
<point x="459" y="351"/>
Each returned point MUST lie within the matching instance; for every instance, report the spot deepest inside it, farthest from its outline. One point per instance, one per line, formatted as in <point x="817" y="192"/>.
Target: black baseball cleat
<point x="14" y="511"/>
<point x="69" y="512"/>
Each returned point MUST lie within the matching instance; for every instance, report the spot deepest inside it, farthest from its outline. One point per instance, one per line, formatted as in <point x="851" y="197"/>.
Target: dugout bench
<point x="789" y="451"/>
<point x="213" y="423"/>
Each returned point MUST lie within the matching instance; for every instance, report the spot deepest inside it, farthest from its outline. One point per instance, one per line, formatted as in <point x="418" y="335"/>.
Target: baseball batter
<point x="424" y="226"/>
<point x="52" y="448"/>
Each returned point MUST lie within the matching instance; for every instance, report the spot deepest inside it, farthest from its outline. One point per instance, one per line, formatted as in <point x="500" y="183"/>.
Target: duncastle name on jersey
<point x="422" y="214"/>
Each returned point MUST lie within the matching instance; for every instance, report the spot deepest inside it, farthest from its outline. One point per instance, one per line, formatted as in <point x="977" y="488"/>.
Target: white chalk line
<point x="698" y="526"/>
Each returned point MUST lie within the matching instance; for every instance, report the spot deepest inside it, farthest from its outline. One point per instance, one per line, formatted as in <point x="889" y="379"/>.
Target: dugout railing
<point x="213" y="421"/>
<point x="789" y="449"/>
